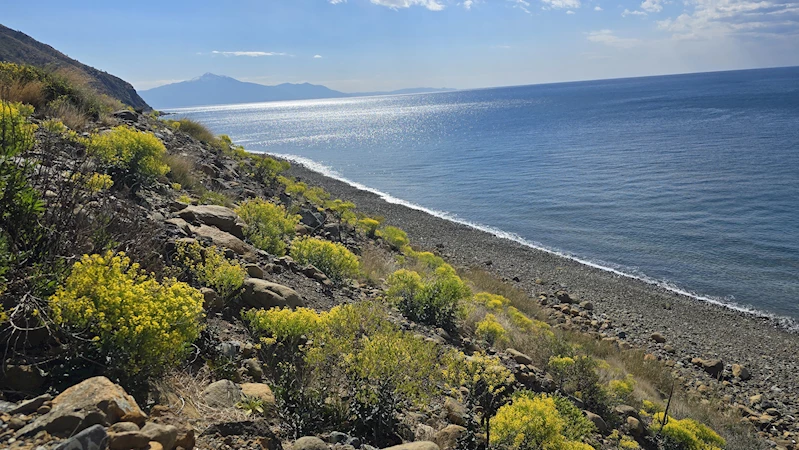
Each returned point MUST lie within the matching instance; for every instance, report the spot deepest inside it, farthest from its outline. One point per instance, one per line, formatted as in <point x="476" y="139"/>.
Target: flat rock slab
<point x="264" y="294"/>
<point x="216" y="216"/>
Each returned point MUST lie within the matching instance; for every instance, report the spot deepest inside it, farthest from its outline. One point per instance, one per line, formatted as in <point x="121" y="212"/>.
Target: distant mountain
<point x="18" y="47"/>
<point x="211" y="89"/>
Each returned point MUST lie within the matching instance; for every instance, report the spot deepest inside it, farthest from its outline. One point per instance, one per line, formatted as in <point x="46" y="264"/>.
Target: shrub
<point x="490" y="330"/>
<point x="342" y="210"/>
<point x="181" y="171"/>
<point x="193" y="128"/>
<point x="395" y="237"/>
<point x="268" y="169"/>
<point x="209" y="267"/>
<point x="686" y="434"/>
<point x="622" y="390"/>
<point x="141" y="325"/>
<point x="530" y="424"/>
<point x="491" y="301"/>
<point x="214" y="198"/>
<point x="368" y="226"/>
<point x="267" y="224"/>
<point x="284" y="326"/>
<point x="131" y="155"/>
<point x="433" y="300"/>
<point x="333" y="259"/>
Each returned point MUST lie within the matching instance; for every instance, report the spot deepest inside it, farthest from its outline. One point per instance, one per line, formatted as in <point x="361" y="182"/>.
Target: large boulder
<point x="259" y="391"/>
<point x="447" y="438"/>
<point x="309" y="443"/>
<point x="92" y="438"/>
<point x="91" y="402"/>
<point x="598" y="421"/>
<point x="519" y="357"/>
<point x="265" y="294"/>
<point x="222" y="394"/>
<point x="225" y="240"/>
<point x="421" y="445"/>
<point x="455" y="411"/>
<point x="217" y="216"/>
<point x="714" y="367"/>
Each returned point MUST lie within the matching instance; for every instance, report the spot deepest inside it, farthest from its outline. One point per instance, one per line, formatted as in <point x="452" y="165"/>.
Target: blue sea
<point x="686" y="181"/>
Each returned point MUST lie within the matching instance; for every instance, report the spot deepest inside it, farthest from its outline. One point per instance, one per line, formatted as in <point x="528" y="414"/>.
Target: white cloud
<point x="597" y="8"/>
<point x="317" y="56"/>
<point x="653" y="6"/>
<point x="570" y="12"/>
<point x="608" y="37"/>
<point x="250" y="54"/>
<point x="521" y="4"/>
<point x="562" y="4"/>
<point x="432" y="5"/>
<point x="468" y="4"/>
<point x="709" y="18"/>
<point x="627" y="12"/>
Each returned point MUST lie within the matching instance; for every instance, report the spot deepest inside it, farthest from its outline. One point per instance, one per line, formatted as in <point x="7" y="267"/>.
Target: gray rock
<point x="455" y="411"/>
<point x="125" y="114"/>
<point x="598" y="421"/>
<point x="311" y="218"/>
<point x="166" y="435"/>
<point x="225" y="240"/>
<point x="309" y="443"/>
<point x="30" y="406"/>
<point x="420" y="445"/>
<point x="222" y="394"/>
<point x="265" y="294"/>
<point x="447" y="438"/>
<point x="220" y="217"/>
<point x="659" y="338"/>
<point x="519" y="357"/>
<point x="92" y="438"/>
<point x="254" y="271"/>
<point x="254" y="369"/>
<point x="337" y="437"/>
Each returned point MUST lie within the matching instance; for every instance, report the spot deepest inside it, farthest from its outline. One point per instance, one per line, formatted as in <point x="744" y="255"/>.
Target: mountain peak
<point x="208" y="76"/>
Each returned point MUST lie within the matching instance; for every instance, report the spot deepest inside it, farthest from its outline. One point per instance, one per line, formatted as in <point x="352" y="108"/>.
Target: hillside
<point x="19" y="48"/>
<point x="211" y="89"/>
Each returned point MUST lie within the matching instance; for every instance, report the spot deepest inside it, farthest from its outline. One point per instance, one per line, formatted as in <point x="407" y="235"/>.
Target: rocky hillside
<point x="19" y="48"/>
<point x="162" y="288"/>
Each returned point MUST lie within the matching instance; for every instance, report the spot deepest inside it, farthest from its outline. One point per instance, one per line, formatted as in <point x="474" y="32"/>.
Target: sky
<point x="370" y="45"/>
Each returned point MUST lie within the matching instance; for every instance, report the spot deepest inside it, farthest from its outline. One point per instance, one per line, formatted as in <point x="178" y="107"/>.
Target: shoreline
<point x="637" y="308"/>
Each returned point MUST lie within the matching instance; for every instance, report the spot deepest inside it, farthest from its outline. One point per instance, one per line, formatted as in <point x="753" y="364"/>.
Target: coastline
<point x="693" y="327"/>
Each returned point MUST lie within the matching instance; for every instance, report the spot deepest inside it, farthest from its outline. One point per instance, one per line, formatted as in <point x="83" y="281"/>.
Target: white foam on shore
<point x="787" y="323"/>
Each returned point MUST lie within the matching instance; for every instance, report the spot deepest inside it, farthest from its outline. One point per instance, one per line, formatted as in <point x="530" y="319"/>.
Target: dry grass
<point x="29" y="93"/>
<point x="181" y="170"/>
<point x="196" y="130"/>
<point x="69" y="115"/>
<point x="182" y="391"/>
<point x="484" y="281"/>
<point x="376" y="264"/>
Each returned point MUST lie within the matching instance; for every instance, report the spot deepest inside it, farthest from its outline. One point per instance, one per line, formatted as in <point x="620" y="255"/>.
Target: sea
<point x="690" y="182"/>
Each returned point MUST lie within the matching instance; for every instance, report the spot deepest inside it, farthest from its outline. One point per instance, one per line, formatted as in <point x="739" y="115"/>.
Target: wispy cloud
<point x="521" y="4"/>
<point x="468" y="4"/>
<point x="570" y="12"/>
<point x="432" y="5"/>
<point x="609" y="38"/>
<point x="757" y="18"/>
<point x="317" y="56"/>
<point x="562" y="4"/>
<point x="597" y="8"/>
<point x="653" y="6"/>
<point x="250" y="54"/>
<point x="627" y="12"/>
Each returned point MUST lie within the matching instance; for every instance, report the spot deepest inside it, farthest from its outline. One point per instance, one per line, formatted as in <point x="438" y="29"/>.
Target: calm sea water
<point x="690" y="181"/>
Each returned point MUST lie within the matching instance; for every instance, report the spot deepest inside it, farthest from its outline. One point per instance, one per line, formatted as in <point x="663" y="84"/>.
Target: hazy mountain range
<point x="211" y="89"/>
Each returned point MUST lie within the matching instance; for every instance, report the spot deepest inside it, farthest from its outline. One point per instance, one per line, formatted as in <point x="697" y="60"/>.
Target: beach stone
<point x="519" y="357"/>
<point x="447" y="438"/>
<point x="588" y="306"/>
<point x="714" y="367"/>
<point x="94" y="401"/>
<point x="217" y="216"/>
<point x="455" y="411"/>
<point x="92" y="438"/>
<point x="419" y="445"/>
<point x="264" y="294"/>
<point x="563" y="297"/>
<point x="659" y="338"/>
<point x="741" y="372"/>
<point x="222" y="394"/>
<point x="309" y="443"/>
<point x="598" y="421"/>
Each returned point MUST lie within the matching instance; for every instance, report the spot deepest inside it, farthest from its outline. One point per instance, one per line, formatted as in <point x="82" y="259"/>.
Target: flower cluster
<point x="490" y="330"/>
<point x="138" y="152"/>
<point x="139" y="323"/>
<point x="267" y="224"/>
<point x="434" y="299"/>
<point x="333" y="259"/>
<point x="211" y="268"/>
<point x="686" y="433"/>
<point x="529" y="423"/>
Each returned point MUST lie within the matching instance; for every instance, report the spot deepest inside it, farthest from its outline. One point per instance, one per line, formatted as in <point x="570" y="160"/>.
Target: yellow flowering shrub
<point x="490" y="330"/>
<point x="622" y="390"/>
<point x="395" y="237"/>
<point x="95" y="182"/>
<point x="124" y="148"/>
<point x="491" y="301"/>
<point x="267" y="169"/>
<point x="282" y="325"/>
<point x="141" y="324"/>
<point x="560" y="367"/>
<point x="687" y="434"/>
<point x="368" y="225"/>
<point x="17" y="133"/>
<point x="531" y="423"/>
<point x="332" y="258"/>
<point x="628" y="443"/>
<point x="209" y="267"/>
<point x="267" y="224"/>
<point x="434" y="299"/>
<point x="184" y="198"/>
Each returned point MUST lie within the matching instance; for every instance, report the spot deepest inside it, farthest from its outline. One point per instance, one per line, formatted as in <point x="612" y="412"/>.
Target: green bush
<point x="490" y="330"/>
<point x="268" y="169"/>
<point x="686" y="434"/>
<point x="131" y="155"/>
<point x="333" y="259"/>
<point x="209" y="267"/>
<point x="267" y="224"/>
<point x="531" y="423"/>
<point x="193" y="128"/>
<point x="141" y="325"/>
<point x="434" y="299"/>
<point x="576" y="424"/>
<point x="395" y="237"/>
<point x="19" y="201"/>
<point x="368" y="225"/>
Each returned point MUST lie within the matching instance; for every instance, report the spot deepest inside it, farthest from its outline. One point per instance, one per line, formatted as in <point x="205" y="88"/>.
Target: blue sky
<point x="366" y="45"/>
